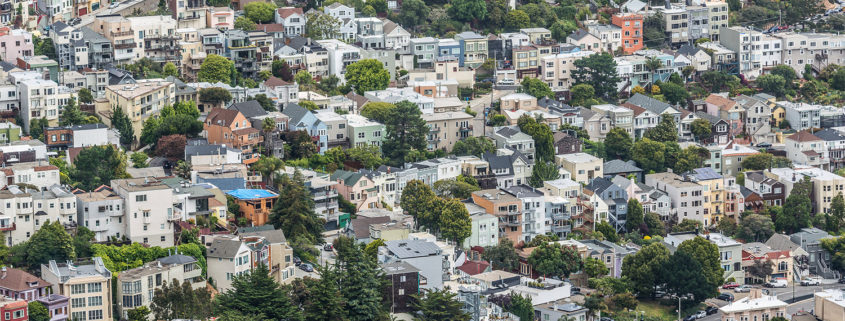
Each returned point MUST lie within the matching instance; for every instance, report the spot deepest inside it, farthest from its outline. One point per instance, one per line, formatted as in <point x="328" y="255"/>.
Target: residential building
<point x="616" y="199"/>
<point x="101" y="211"/>
<point x="825" y="185"/>
<point x="17" y="284"/>
<point x="86" y="284"/>
<point x="801" y="116"/>
<point x="230" y="256"/>
<point x="474" y="49"/>
<point x="405" y="281"/>
<point x="293" y="19"/>
<point x="443" y="134"/>
<point x="781" y="262"/>
<point x="721" y="193"/>
<point x="609" y="253"/>
<point x="834" y="142"/>
<point x="57" y="306"/>
<point x="754" y="306"/>
<point x="583" y="167"/>
<point x="148" y="204"/>
<point x="363" y="132"/>
<point x="771" y="191"/>
<point x="270" y="247"/>
<point x="609" y="35"/>
<point x="255" y="204"/>
<point x="13" y="309"/>
<point x="302" y="119"/>
<point x="356" y="188"/>
<point x="425" y="256"/>
<point x="424" y="50"/>
<point x="730" y="251"/>
<point x="556" y="69"/>
<point x="511" y="137"/>
<point x="77" y="136"/>
<point x="139" y="101"/>
<point x="41" y="99"/>
<point x="564" y="311"/>
<point x="805" y="148"/>
<point x="156" y="38"/>
<point x="231" y="128"/>
<point x="118" y="30"/>
<point x="618" y="167"/>
<point x="688" y="201"/>
<point x="506" y="208"/>
<point x="14" y="44"/>
<point x="566" y="142"/>
<point x="584" y="40"/>
<point x="632" y="30"/>
<point x="136" y="286"/>
<point x="809" y="239"/>
<point x="534" y="210"/>
<point x="336" y="130"/>
<point x="620" y="117"/>
<point x="485" y="228"/>
<point x="727" y="109"/>
<point x="34" y="208"/>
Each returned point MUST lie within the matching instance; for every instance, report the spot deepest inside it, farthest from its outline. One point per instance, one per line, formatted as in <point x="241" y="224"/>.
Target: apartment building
<point x="718" y="13"/>
<point x="806" y="149"/>
<point x="20" y="221"/>
<point x="834" y="148"/>
<point x="335" y="128"/>
<point x="826" y="185"/>
<point x="534" y="210"/>
<point x="582" y="166"/>
<point x="506" y="208"/>
<point x="86" y="283"/>
<point x="424" y="50"/>
<point x="136" y="286"/>
<point x="340" y="55"/>
<point x="755" y="306"/>
<point x="721" y="193"/>
<point x="610" y="36"/>
<point x="148" y="204"/>
<point x="620" y="117"/>
<point x="230" y="256"/>
<point x="556" y="70"/>
<point x="782" y="262"/>
<point x="15" y="43"/>
<point x="41" y="99"/>
<point x="632" y="30"/>
<point x="363" y="132"/>
<point x="676" y="19"/>
<point x="688" y="200"/>
<point x="445" y="129"/>
<point x="78" y="136"/>
<point x="474" y="49"/>
<point x="616" y="199"/>
<point x="814" y="49"/>
<point x="156" y="38"/>
<point x="755" y="51"/>
<point x="255" y="204"/>
<point x="101" y="211"/>
<point x="801" y="116"/>
<point x="730" y="251"/>
<point x="139" y="101"/>
<point x="119" y="31"/>
<point x="231" y="128"/>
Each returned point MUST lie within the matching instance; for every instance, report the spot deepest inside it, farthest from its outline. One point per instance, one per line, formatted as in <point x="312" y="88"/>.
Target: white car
<point x="810" y="281"/>
<point x="114" y="5"/>
<point x="506" y="81"/>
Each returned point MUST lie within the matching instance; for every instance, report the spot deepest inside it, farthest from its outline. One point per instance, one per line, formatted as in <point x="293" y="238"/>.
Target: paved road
<point x="326" y="257"/>
<point x="783" y="294"/>
<point x="478" y="104"/>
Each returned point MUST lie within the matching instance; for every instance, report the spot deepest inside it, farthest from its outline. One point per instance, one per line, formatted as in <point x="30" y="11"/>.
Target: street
<point x="478" y="104"/>
<point x="325" y="257"/>
<point x="783" y="294"/>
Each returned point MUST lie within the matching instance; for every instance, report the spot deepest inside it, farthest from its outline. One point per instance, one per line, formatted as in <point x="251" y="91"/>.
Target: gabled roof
<point x="20" y="280"/>
<point x="720" y="101"/>
<point x="746" y="192"/>
<point x="599" y="185"/>
<point x="579" y="34"/>
<point x="348" y="178"/>
<point x="295" y="112"/>
<point x="687" y="50"/>
<point x="712" y="119"/>
<point x="829" y="135"/>
<point x="289" y="11"/>
<point x="474" y="267"/>
<point x="620" y="166"/>
<point x="224" y="248"/>
<point x="222" y="117"/>
<point x="803" y="136"/>
<point x="249" y="109"/>
<point x="270" y="27"/>
<point x="268" y="232"/>
<point x="273" y="82"/>
<point x="651" y="104"/>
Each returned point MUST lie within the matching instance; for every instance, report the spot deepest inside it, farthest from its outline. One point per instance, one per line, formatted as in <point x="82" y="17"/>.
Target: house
<point x="363" y="132"/>
<point x="561" y="311"/>
<point x="356" y="188"/>
<point x="150" y="203"/>
<point x="534" y="210"/>
<point x="18" y="284"/>
<point x="643" y="119"/>
<point x="255" y="204"/>
<point x="423" y="255"/>
<point x="726" y="159"/>
<point x="596" y="124"/>
<point x="508" y="166"/>
<point x="609" y="253"/>
<point x="136" y="285"/>
<point x="758" y="115"/>
<point x="755" y="305"/>
<point x="506" y="208"/>
<point x="281" y="92"/>
<point x="405" y="282"/>
<point x="78" y="136"/>
<point x="825" y="185"/>
<point x="485" y="228"/>
<point x="566" y="142"/>
<point x="270" y="247"/>
<point x="447" y="128"/>
<point x="134" y="101"/>
<point x="801" y="116"/>
<point x="834" y="146"/>
<point x="13" y="309"/>
<point x="687" y="196"/>
<point x="614" y="196"/>
<point x="511" y="137"/>
<point x="655" y="106"/>
<point x="807" y="149"/>
<point x="100" y="210"/>
<point x="302" y="119"/>
<point x="618" y="167"/>
<point x="293" y="19"/>
<point x="632" y="30"/>
<point x="57" y="306"/>
<point x="810" y="239"/>
<point x="81" y="281"/>
<point x="583" y="167"/>
<point x="584" y="40"/>
<point x="230" y="256"/>
<point x="474" y="49"/>
<point x="781" y="262"/>
<point x="727" y="109"/>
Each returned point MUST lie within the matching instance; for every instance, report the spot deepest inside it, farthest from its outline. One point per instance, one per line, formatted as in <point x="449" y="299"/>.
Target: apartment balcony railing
<point x="9" y="227"/>
<point x="125" y="45"/>
<point x="320" y="196"/>
<point x="120" y="33"/>
<point x="561" y="228"/>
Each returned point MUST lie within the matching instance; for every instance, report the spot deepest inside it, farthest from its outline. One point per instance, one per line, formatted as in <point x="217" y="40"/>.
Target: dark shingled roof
<point x="651" y="104"/>
<point x="224" y="248"/>
<point x="829" y="135"/>
<point x="579" y="34"/>
<point x="620" y="166"/>
<point x="249" y="109"/>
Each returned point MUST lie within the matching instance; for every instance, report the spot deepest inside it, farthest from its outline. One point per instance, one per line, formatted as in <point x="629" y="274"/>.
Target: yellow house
<point x="139" y="101"/>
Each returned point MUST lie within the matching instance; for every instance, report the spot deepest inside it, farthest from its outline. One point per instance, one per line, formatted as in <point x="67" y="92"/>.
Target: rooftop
<point x="251" y="194"/>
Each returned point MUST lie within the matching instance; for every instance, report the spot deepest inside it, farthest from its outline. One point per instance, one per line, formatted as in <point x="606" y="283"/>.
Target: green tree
<point x="141" y="313"/>
<point x="701" y="129"/>
<point x="635" y="215"/>
<point x="82" y="241"/>
<point x="772" y="84"/>
<point x="595" y="267"/>
<point x="654" y="31"/>
<point x="182" y="169"/>
<point x="406" y="131"/>
<point x="378" y="111"/>
<point x="665" y="131"/>
<point x="379" y="5"/>
<point x="502" y="256"/>
<point x="796" y="208"/>
<point x="38" y="312"/>
<point x="260" y="12"/>
<point x="583" y="95"/>
<point x="281" y="69"/>
<point x="98" y="165"/>
<point x="303" y="78"/>
<point x="786" y="72"/>
<point x="759" y="161"/>
<point x="454" y="222"/>
<point x="169" y="70"/>
<point x="536" y="87"/>
<point x="675" y="94"/>
<point x="294" y="213"/>
<point x="265" y="102"/>
<point x="256" y="293"/>
<point x="413" y="13"/>
<point x="438" y="305"/>
<point x="552" y="259"/>
<point x="643" y="268"/>
<point x="85" y="96"/>
<point x="320" y="26"/>
<point x="756" y="228"/>
<point x="541" y="172"/>
<point x="36" y="128"/>
<point x="653" y="224"/>
<point x="325" y="299"/>
<point x="649" y="154"/>
<point x="688" y="225"/>
<point x="368" y="156"/>
<point x="452" y="188"/>
<point x="468" y="10"/>
<point x="562" y="28"/>
<point x="367" y="75"/>
<point x="837" y="214"/>
<point x="706" y="254"/>
<point x="617" y="144"/>
<point x="598" y="70"/>
<point x="243" y="23"/>
<point x="418" y="201"/>
<point x="728" y="226"/>
<point x="361" y="284"/>
<point x="214" y="95"/>
<point x="517" y="19"/>
<point x="50" y="242"/>
<point x="760" y="269"/>
<point x="608" y="231"/>
<point x="475" y="146"/>
<point x="685" y="276"/>
<point x="542" y="135"/>
<point x="71" y="114"/>
<point x="216" y="68"/>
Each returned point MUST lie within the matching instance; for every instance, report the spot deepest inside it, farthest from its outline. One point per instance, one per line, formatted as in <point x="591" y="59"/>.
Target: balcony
<point x="7" y="228"/>
<point x="561" y="228"/>
<point x="466" y="128"/>
<point x="509" y="223"/>
<point x="120" y="33"/>
<point x="125" y="45"/>
<point x="320" y="196"/>
<point x="560" y="216"/>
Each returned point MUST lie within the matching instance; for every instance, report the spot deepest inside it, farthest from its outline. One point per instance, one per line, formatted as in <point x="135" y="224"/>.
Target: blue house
<point x="303" y="119"/>
<point x="450" y="48"/>
<point x="616" y="199"/>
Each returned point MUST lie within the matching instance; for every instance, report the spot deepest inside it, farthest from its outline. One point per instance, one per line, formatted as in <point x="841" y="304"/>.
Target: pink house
<point x="727" y="109"/>
<point x="357" y="188"/>
<point x="15" y="44"/>
<point x="221" y="18"/>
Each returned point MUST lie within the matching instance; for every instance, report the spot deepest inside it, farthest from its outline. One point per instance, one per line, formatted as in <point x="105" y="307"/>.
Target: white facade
<point x="148" y="205"/>
<point x="39" y="100"/>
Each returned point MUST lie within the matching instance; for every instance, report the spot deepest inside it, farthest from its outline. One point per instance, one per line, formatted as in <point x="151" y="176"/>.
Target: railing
<point x="125" y="45"/>
<point x="6" y="228"/>
<point x="319" y="196"/>
<point x="120" y="33"/>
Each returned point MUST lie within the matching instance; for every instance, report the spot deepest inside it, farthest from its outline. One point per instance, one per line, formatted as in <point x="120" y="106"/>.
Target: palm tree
<point x="183" y="169"/>
<point x="652" y="64"/>
<point x="268" y="126"/>
<point x="687" y="72"/>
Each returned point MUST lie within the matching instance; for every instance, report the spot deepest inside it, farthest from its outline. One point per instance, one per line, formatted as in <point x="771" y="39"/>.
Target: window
<point x="77" y="303"/>
<point x="95" y="301"/>
<point x="78" y="316"/>
<point x="95" y="315"/>
<point x="77" y="288"/>
<point x="141" y="198"/>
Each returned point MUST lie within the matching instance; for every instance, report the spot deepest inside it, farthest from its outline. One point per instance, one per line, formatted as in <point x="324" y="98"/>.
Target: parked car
<point x="296" y="261"/>
<point x="306" y="267"/>
<point x="606" y="319"/>
<point x="328" y="247"/>
<point x="700" y="314"/>
<point x="575" y="290"/>
<point x="730" y="285"/>
<point x="776" y="284"/>
<point x="506" y="81"/>
<point x="690" y="318"/>
<point x="726" y="297"/>
<point x="810" y="281"/>
<point x="842" y="281"/>
<point x="742" y="288"/>
<point x="711" y="310"/>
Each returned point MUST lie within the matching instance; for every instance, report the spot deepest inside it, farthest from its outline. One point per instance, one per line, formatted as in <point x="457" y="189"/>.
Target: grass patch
<point x="666" y="309"/>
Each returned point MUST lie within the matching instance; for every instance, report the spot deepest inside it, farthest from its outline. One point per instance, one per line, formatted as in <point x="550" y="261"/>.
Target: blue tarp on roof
<point x="247" y="194"/>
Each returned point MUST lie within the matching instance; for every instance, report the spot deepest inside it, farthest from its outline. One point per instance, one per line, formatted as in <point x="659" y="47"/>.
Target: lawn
<point x="666" y="312"/>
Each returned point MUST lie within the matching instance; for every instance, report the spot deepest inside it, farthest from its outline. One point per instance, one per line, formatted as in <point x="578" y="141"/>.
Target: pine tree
<point x="71" y="114"/>
<point x="439" y="305"/>
<point x="325" y="299"/>
<point x="121" y="122"/>
<point x="361" y="285"/>
<point x="256" y="293"/>
<point x="294" y="211"/>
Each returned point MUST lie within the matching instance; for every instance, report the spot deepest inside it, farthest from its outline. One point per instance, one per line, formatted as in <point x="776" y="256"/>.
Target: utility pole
<point x="679" y="308"/>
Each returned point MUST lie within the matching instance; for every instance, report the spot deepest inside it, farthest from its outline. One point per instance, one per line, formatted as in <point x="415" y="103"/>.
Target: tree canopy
<point x="367" y="75"/>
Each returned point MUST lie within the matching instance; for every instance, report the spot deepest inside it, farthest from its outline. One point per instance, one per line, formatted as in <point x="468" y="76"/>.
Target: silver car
<point x="742" y="289"/>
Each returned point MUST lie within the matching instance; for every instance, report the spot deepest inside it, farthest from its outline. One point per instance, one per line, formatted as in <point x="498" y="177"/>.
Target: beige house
<point x="446" y="129"/>
<point x="755" y="306"/>
<point x="139" y="101"/>
<point x="518" y="101"/>
<point x="830" y="305"/>
<point x="87" y="284"/>
<point x="583" y="167"/>
<point x="118" y="30"/>
<point x="445" y="70"/>
<point x="135" y="286"/>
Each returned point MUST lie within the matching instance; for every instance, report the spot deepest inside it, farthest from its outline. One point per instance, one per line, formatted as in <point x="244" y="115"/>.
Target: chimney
<point x="668" y="4"/>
